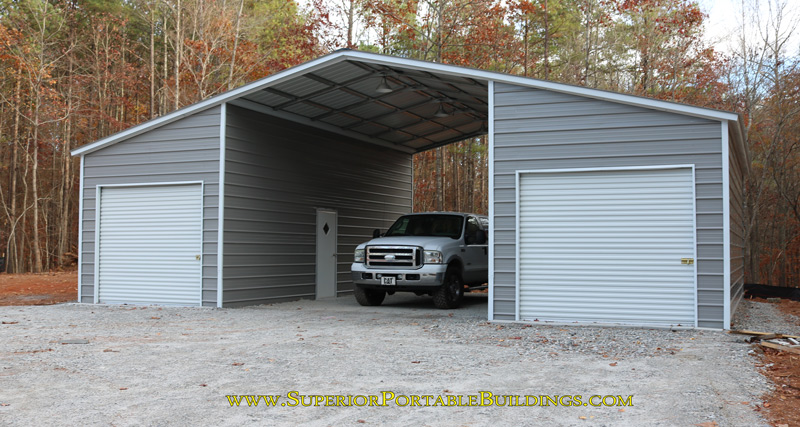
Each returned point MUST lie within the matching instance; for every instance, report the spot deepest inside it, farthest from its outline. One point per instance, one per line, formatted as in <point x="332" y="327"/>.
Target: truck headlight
<point x="358" y="256"/>
<point x="433" y="257"/>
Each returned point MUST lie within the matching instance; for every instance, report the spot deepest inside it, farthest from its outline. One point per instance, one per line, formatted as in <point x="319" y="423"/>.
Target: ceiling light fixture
<point x="441" y="112"/>
<point x="384" y="87"/>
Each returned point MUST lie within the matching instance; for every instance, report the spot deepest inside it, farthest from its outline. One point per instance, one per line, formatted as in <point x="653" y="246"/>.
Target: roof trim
<point x="453" y="70"/>
<point x="477" y="74"/>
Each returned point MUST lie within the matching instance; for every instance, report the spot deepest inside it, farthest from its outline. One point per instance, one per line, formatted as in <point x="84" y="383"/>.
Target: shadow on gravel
<point x="473" y="304"/>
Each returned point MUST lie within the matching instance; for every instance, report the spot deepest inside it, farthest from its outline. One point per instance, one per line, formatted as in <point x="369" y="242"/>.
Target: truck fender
<point x="457" y="262"/>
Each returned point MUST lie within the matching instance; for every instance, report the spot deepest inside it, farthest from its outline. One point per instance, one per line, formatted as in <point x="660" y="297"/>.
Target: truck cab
<point x="441" y="254"/>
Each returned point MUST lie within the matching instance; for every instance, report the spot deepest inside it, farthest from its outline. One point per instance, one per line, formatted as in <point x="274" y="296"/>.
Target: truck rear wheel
<point x="369" y="297"/>
<point x="451" y="292"/>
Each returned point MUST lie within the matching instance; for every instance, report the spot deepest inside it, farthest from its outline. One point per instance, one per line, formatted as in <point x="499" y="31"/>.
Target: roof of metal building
<point x="405" y="104"/>
<point x="402" y="107"/>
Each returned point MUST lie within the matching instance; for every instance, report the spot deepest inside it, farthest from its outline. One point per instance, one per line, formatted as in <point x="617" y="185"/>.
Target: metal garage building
<point x="604" y="207"/>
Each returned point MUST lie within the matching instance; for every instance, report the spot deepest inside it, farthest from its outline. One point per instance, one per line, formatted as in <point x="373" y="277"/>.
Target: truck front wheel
<point x="369" y="297"/>
<point x="450" y="293"/>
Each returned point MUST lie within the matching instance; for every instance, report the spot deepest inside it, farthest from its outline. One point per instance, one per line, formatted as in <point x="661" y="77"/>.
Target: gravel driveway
<point x="155" y="366"/>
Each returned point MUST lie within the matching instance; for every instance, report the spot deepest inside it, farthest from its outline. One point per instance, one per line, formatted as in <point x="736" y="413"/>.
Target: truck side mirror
<point x="376" y="233"/>
<point x="480" y="237"/>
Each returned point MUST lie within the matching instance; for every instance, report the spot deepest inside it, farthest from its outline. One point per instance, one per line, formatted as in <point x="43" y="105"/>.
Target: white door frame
<point x="517" y="181"/>
<point x="335" y="231"/>
<point x="98" y="195"/>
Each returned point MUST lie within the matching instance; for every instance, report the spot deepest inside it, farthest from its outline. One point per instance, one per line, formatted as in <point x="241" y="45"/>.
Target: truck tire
<point x="369" y="297"/>
<point x="451" y="292"/>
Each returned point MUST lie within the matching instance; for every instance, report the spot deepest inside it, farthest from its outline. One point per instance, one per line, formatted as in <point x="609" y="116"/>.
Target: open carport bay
<point x="153" y="366"/>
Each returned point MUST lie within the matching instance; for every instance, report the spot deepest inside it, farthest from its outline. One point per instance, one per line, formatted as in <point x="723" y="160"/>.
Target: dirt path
<point x="38" y="289"/>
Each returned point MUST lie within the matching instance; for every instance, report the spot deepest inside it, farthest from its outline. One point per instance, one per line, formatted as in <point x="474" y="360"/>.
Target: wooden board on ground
<point x="762" y="334"/>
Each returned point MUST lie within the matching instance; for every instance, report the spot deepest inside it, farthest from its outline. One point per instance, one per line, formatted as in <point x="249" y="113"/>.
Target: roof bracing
<point x="420" y="110"/>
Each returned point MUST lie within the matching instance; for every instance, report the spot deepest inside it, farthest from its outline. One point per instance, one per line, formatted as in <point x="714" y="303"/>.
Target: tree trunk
<point x="165" y="80"/>
<point x="12" y="262"/>
<point x="546" y="41"/>
<point x="588" y="50"/>
<point x="64" y="231"/>
<point x="37" y="251"/>
<point x="178" y="55"/>
<point x="152" y="13"/>
<point x="439" y="181"/>
<point x="235" y="45"/>
<point x="525" y="44"/>
<point x="351" y="10"/>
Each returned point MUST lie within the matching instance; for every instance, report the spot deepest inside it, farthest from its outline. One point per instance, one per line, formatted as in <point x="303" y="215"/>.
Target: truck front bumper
<point x="428" y="276"/>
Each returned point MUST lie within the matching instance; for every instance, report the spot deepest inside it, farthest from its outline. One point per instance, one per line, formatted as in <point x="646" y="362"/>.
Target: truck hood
<point x="427" y="242"/>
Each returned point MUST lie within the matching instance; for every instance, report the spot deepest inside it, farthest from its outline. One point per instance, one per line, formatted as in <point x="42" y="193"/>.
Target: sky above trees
<point x="725" y="20"/>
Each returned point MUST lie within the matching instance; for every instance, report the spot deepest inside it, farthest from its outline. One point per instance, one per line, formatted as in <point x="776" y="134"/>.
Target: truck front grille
<point x="394" y="256"/>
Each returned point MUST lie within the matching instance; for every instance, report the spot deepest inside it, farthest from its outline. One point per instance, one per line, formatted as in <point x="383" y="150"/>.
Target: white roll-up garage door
<point x="609" y="246"/>
<point x="149" y="244"/>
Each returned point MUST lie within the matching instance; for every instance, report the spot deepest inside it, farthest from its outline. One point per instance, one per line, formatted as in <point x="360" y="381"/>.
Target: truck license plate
<point x="388" y="280"/>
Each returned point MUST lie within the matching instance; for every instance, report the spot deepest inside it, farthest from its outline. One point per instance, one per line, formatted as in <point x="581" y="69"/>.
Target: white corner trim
<point x="726" y="226"/>
<point x="517" y="281"/>
<point x="80" y="233"/>
<point x="611" y="168"/>
<point x="490" y="148"/>
<point x="202" y="239"/>
<point x="150" y="184"/>
<point x="221" y="197"/>
<point x="97" y="243"/>
<point x="694" y="247"/>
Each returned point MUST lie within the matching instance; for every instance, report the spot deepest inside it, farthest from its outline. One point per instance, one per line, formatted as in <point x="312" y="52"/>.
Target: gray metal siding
<point x="537" y="129"/>
<point x="736" y="182"/>
<point x="276" y="174"/>
<point x="184" y="150"/>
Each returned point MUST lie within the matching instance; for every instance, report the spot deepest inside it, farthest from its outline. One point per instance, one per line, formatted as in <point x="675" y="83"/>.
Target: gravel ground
<point x="754" y="316"/>
<point x="157" y="366"/>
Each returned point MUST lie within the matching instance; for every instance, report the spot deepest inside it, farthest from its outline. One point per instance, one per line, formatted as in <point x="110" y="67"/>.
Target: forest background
<point x="74" y="71"/>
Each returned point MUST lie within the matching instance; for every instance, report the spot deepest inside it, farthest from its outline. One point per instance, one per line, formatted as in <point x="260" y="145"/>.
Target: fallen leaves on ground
<point x="782" y="405"/>
<point x="38" y="289"/>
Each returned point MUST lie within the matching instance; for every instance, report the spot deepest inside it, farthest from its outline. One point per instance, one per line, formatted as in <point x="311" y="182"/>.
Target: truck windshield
<point x="427" y="225"/>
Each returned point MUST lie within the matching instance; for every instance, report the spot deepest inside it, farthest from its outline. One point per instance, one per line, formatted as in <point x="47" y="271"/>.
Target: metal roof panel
<point x="342" y="72"/>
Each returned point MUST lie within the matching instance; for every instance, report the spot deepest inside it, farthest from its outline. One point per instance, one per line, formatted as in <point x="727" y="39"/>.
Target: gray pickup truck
<point x="441" y="254"/>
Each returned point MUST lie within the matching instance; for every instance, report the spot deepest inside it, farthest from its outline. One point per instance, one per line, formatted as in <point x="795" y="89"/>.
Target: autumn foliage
<point x="75" y="71"/>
